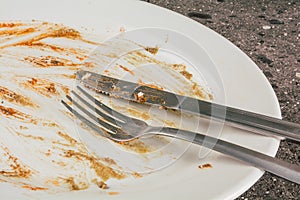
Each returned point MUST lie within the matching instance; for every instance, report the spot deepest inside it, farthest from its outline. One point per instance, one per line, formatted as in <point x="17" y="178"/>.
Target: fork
<point x="119" y="127"/>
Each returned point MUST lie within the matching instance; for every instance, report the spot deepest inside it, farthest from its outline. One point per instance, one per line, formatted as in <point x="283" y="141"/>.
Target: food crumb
<point x="137" y="175"/>
<point x="186" y="74"/>
<point x="161" y="108"/>
<point x="205" y="166"/>
<point x="102" y="185"/>
<point x="33" y="81"/>
<point x="76" y="186"/>
<point x="51" y="88"/>
<point x="122" y="29"/>
<point x="152" y="50"/>
<point x="113" y="193"/>
<point x="48" y="153"/>
<point x="140" y="97"/>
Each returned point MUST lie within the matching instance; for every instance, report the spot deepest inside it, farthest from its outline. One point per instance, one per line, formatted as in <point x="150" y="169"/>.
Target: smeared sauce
<point x="51" y="61"/>
<point x="44" y="87"/>
<point x="17" y="32"/>
<point x="142" y="115"/>
<point x="140" y="82"/>
<point x="10" y="24"/>
<point x="31" y="136"/>
<point x="136" y="146"/>
<point x="47" y="56"/>
<point x="13" y="113"/>
<point x="100" y="169"/>
<point x="137" y="59"/>
<point x="68" y="138"/>
<point x="17" y="169"/>
<point x="39" y="50"/>
<point x="11" y="96"/>
<point x="126" y="69"/>
<point x="34" y="188"/>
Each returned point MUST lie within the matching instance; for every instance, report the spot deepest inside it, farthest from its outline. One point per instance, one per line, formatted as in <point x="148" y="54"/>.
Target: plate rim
<point x="277" y="112"/>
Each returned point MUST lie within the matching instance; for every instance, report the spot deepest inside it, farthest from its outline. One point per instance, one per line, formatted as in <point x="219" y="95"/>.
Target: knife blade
<point x="144" y="94"/>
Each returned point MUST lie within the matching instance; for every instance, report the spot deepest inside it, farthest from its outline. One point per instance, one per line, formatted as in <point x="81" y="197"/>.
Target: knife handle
<point x="262" y="124"/>
<point x="247" y="120"/>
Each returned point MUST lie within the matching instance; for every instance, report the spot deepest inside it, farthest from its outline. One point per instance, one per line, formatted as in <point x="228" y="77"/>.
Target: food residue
<point x="113" y="193"/>
<point x="12" y="96"/>
<point x="51" y="61"/>
<point x="152" y="50"/>
<point x="103" y="171"/>
<point x="137" y="175"/>
<point x="41" y="60"/>
<point x="140" y="97"/>
<point x="140" y="82"/>
<point x="126" y="69"/>
<point x="205" y="166"/>
<point x="142" y="115"/>
<point x="34" y="188"/>
<point x="10" y="24"/>
<point x="75" y="186"/>
<point x="100" y="184"/>
<point x="30" y="85"/>
<point x="186" y="74"/>
<point x="17" y="169"/>
<point x="136" y="146"/>
<point x="45" y="87"/>
<point x="11" y="112"/>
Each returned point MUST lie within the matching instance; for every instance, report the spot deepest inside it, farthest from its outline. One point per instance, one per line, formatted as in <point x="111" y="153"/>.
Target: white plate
<point x="244" y="86"/>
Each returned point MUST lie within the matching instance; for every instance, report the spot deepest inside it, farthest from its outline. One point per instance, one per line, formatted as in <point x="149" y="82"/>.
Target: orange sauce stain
<point x="33" y="188"/>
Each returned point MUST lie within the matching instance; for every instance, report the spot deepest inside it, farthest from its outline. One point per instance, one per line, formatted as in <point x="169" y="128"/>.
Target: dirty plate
<point x="44" y="150"/>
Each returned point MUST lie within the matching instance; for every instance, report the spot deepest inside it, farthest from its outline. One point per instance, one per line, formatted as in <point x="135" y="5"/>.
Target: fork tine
<point x="104" y="107"/>
<point x="101" y="122"/>
<point x="114" y="121"/>
<point x="82" y="118"/>
<point x="96" y="128"/>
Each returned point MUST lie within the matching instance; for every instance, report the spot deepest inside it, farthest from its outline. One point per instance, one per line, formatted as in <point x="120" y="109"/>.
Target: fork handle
<point x="275" y="166"/>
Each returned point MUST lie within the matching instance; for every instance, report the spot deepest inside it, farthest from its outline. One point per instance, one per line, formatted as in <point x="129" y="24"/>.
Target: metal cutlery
<point x="235" y="117"/>
<point x="119" y="127"/>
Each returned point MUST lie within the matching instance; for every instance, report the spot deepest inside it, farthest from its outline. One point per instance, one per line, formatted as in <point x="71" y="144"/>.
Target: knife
<point x="144" y="94"/>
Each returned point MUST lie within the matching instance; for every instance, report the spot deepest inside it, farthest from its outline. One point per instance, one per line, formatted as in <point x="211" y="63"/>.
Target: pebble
<point x="275" y="21"/>
<point x="298" y="75"/>
<point x="266" y="27"/>
<point x="199" y="15"/>
<point x="264" y="59"/>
